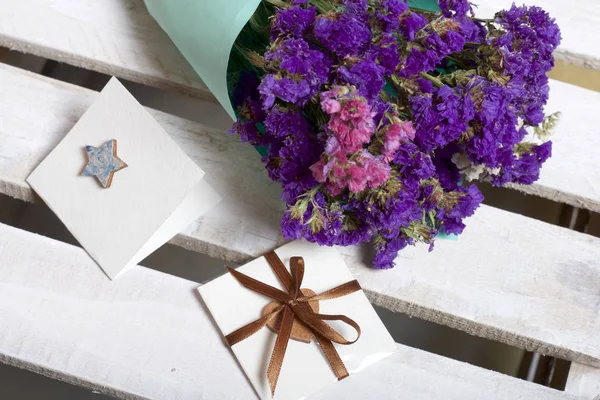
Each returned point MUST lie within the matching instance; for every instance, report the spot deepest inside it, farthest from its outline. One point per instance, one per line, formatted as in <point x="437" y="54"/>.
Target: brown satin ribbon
<point x="294" y="305"/>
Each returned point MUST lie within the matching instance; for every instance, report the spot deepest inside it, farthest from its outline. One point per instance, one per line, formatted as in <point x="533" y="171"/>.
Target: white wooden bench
<point x="508" y="278"/>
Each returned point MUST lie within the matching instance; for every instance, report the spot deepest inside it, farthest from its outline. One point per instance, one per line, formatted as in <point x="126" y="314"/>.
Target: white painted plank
<point x="118" y="37"/>
<point x="578" y="21"/>
<point x="115" y="37"/>
<point x="509" y="278"/>
<point x="584" y="381"/>
<point x="147" y="335"/>
<point x="245" y="223"/>
<point x="572" y="174"/>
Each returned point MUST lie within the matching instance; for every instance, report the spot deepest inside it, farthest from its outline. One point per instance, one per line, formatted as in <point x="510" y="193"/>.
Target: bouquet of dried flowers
<point x="375" y="116"/>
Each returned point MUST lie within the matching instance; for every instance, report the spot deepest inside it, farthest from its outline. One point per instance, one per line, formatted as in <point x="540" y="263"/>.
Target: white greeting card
<point x="305" y="369"/>
<point x="119" y="183"/>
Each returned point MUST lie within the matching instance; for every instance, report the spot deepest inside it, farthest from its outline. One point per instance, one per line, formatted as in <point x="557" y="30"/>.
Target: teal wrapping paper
<point x="205" y="31"/>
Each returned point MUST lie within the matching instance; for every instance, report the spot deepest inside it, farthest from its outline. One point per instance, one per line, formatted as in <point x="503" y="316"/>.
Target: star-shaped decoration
<point x="103" y="162"/>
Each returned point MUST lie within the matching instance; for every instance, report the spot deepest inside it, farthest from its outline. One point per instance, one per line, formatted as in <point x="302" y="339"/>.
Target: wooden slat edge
<point x="577" y="59"/>
<point x="508" y="278"/>
<point x="476" y="329"/>
<point x="147" y="335"/>
<point x="584" y="382"/>
<point x="18" y="191"/>
<point x="104" y="67"/>
<point x="95" y="386"/>
<point x="126" y="25"/>
<point x="557" y="196"/>
<point x="114" y="37"/>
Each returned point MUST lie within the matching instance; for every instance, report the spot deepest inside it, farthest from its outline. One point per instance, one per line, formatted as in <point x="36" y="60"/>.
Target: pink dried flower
<point x="396" y="134"/>
<point x="356" y="109"/>
<point x="320" y="169"/>
<point x="376" y="168"/>
<point x="361" y="171"/>
<point x="350" y="119"/>
<point x="331" y="106"/>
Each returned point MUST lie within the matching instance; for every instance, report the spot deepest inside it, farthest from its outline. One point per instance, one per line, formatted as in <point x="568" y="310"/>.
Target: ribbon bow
<point x="292" y="305"/>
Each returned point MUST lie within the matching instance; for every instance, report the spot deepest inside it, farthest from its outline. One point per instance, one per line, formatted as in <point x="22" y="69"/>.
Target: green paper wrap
<point x="205" y="31"/>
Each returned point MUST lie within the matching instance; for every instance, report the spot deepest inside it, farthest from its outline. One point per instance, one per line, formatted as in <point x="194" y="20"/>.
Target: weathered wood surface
<point x="572" y="174"/>
<point x="115" y="37"/>
<point x="578" y="21"/>
<point x="148" y="335"/>
<point x="584" y="381"/>
<point x="508" y="278"/>
<point x="118" y="37"/>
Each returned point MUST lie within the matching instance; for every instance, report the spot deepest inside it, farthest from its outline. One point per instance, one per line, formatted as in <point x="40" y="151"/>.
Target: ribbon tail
<point x="259" y="287"/>
<point x="283" y="337"/>
<point x="316" y="322"/>
<point x="333" y="357"/>
<point x="250" y="329"/>
<point x="280" y="270"/>
<point x="347" y="321"/>
<point x="342" y="290"/>
<point x="297" y="268"/>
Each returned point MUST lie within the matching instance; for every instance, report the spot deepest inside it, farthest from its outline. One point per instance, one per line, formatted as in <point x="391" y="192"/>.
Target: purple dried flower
<point x="526" y="48"/>
<point x="344" y="35"/>
<point x="435" y="44"/>
<point x="441" y="117"/>
<point x="452" y="219"/>
<point x="389" y="14"/>
<point x="248" y="132"/>
<point x="455" y="8"/>
<point x="296" y="59"/>
<point x="281" y="122"/>
<point x="387" y="253"/>
<point x="366" y="75"/>
<point x="386" y="53"/>
<point x="294" y="21"/>
<point x="286" y="89"/>
<point x="412" y="23"/>
<point x="523" y="169"/>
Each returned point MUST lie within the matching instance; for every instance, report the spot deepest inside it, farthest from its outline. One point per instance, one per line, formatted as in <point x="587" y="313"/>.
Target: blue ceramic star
<point x="103" y="162"/>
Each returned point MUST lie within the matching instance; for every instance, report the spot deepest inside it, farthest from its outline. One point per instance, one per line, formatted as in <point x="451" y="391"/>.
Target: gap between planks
<point x="72" y="323"/>
<point x="501" y="280"/>
<point x="118" y="37"/>
<point x="114" y="37"/>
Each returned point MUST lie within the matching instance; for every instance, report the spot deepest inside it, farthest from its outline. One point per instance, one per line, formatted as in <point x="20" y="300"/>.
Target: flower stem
<point x="323" y="6"/>
<point x="277" y="3"/>
<point x="436" y="81"/>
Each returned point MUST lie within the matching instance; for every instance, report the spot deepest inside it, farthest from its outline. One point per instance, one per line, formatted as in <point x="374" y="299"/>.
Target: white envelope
<point x="305" y="369"/>
<point x="156" y="196"/>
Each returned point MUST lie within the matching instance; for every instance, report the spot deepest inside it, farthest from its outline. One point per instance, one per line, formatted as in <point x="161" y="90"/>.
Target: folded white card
<point x="158" y="193"/>
<point x="305" y="369"/>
